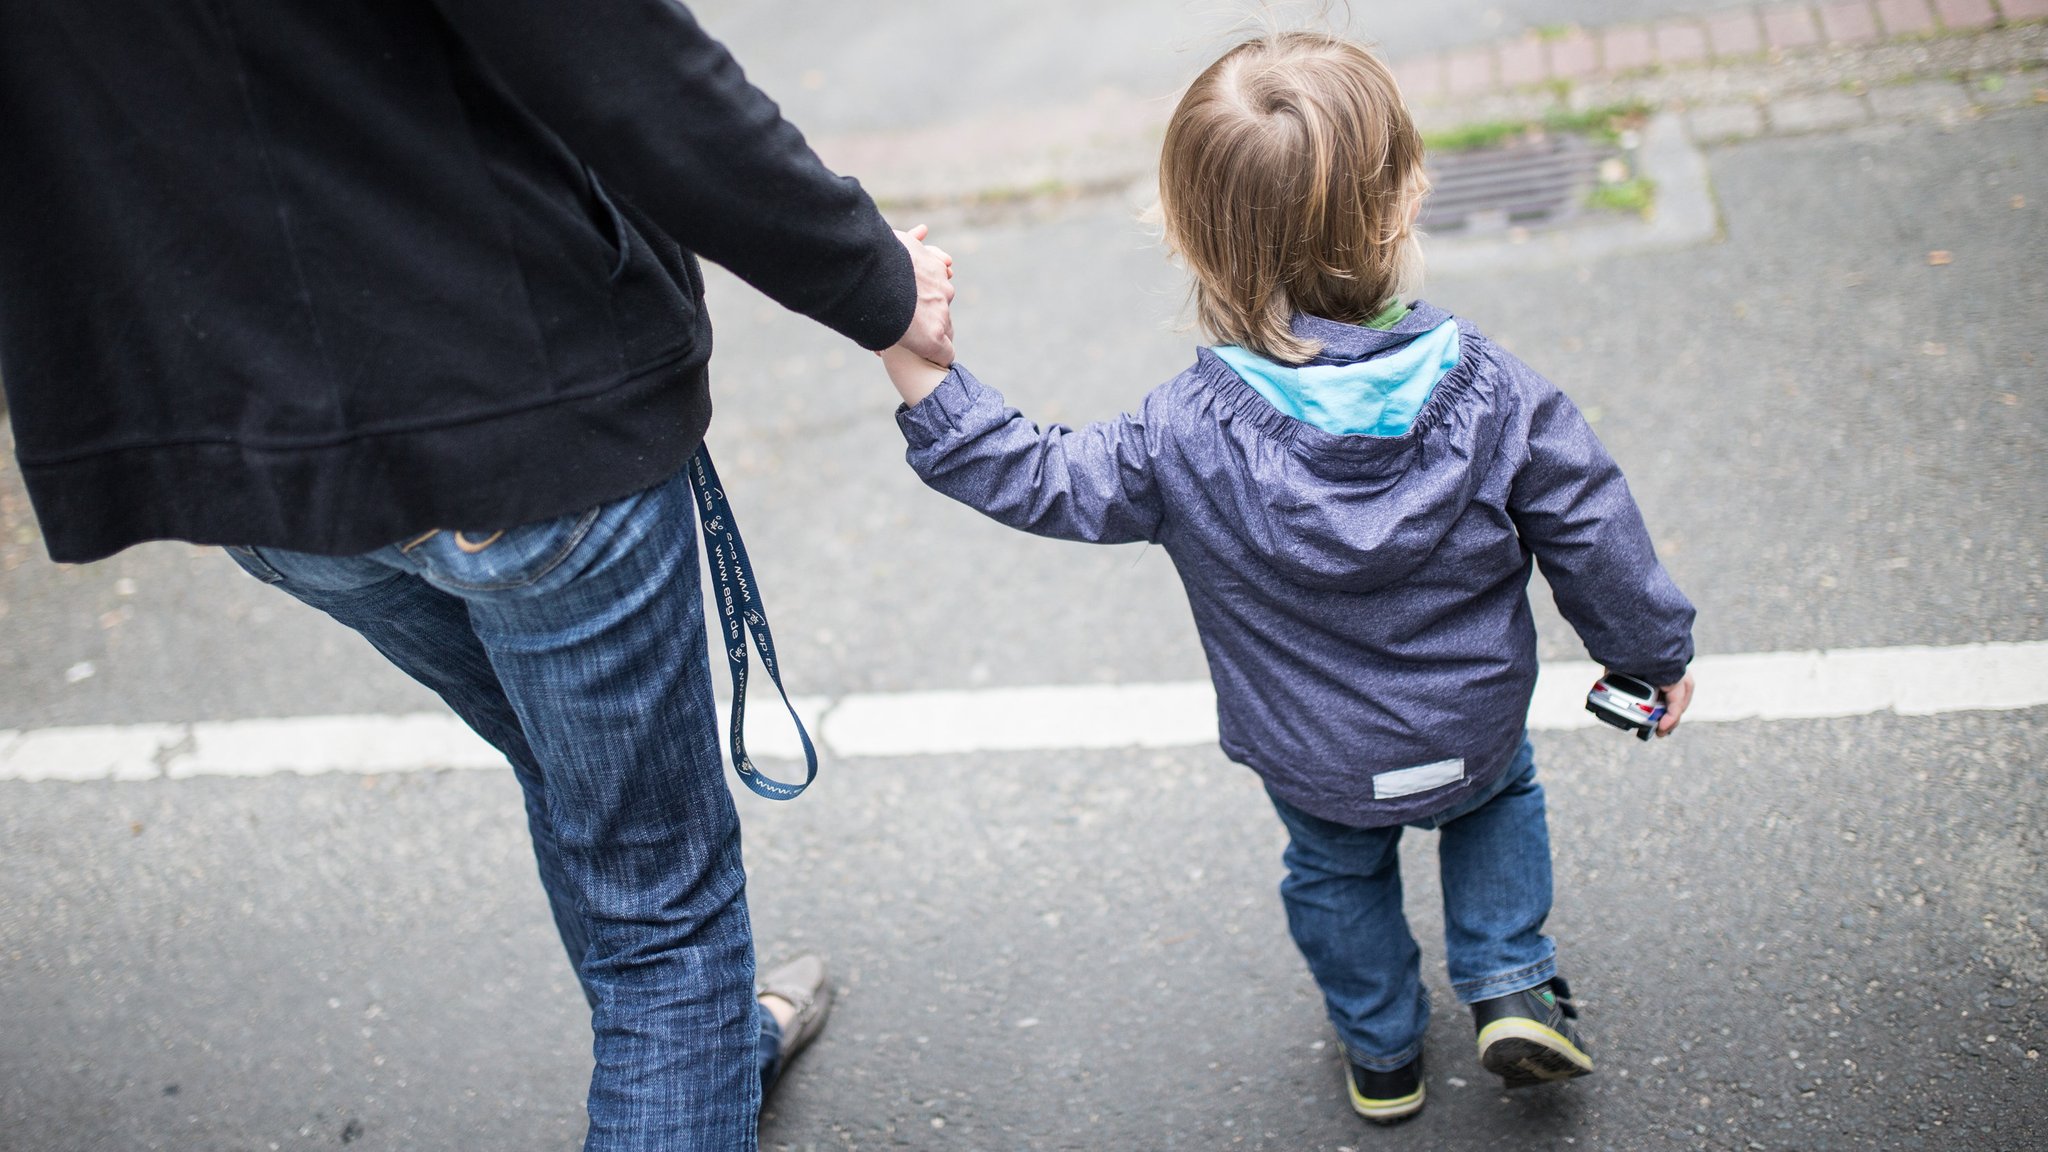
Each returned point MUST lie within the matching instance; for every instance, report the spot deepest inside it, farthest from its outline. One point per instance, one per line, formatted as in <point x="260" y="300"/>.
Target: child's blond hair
<point x="1287" y="184"/>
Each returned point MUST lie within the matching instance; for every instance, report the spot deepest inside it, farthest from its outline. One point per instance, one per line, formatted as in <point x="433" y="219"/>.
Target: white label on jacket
<point x="1422" y="778"/>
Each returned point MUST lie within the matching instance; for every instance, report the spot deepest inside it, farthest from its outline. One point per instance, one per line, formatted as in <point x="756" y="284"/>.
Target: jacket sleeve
<point x="1573" y="509"/>
<point x="662" y="113"/>
<point x="1093" y="485"/>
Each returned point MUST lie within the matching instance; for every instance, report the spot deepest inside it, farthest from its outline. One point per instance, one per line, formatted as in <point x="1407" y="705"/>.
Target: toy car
<point x="1626" y="702"/>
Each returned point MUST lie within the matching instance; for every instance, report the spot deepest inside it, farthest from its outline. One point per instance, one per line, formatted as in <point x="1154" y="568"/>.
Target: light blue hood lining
<point x="1376" y="397"/>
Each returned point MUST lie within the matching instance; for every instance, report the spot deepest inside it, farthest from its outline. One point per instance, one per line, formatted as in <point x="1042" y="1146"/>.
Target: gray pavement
<point x="1797" y="935"/>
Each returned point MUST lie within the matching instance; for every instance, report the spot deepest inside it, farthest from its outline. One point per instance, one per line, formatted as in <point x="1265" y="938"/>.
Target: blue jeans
<point x="1343" y="898"/>
<point x="576" y="646"/>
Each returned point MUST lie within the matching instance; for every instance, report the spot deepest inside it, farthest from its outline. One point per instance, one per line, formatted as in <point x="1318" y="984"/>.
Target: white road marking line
<point x="1911" y="681"/>
<point x="100" y="752"/>
<point x="313" y="744"/>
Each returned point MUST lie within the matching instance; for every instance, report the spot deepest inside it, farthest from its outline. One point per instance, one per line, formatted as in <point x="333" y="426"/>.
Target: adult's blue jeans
<point x="576" y="647"/>
<point x="1343" y="898"/>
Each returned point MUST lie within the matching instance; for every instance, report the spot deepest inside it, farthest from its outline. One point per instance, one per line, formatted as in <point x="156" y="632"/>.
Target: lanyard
<point x="741" y="614"/>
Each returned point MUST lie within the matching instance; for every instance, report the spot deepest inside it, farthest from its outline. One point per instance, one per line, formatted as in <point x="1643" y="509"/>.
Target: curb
<point x="1808" y="67"/>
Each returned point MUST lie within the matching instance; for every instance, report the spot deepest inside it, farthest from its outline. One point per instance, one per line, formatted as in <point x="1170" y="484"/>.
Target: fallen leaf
<point x="1938" y="257"/>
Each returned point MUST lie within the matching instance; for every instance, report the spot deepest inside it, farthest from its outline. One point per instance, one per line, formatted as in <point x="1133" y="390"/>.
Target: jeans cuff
<point x="1507" y="983"/>
<point x="769" y="1055"/>
<point x="1382" y="1064"/>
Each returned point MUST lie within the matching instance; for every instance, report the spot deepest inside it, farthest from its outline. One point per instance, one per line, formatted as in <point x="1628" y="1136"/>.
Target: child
<point x="1352" y="489"/>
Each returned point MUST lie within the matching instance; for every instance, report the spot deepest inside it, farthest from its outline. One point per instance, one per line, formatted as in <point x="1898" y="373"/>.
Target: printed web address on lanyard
<point x="741" y="615"/>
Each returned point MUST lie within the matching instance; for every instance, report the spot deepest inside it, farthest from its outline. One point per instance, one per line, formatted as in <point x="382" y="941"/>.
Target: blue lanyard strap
<point x="741" y="614"/>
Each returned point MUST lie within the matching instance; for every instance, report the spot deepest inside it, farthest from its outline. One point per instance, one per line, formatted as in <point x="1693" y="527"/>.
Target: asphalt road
<point x="1795" y="935"/>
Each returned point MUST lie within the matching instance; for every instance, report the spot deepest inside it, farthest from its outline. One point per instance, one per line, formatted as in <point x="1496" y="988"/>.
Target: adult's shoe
<point x="802" y="985"/>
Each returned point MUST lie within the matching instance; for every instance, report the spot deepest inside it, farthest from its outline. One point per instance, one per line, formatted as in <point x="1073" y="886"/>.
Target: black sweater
<point x="320" y="275"/>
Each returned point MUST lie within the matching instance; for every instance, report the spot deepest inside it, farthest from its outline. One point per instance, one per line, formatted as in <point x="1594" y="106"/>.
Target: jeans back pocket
<point x="499" y="560"/>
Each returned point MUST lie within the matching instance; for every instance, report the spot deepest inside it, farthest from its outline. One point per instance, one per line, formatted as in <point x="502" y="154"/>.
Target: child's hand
<point x="918" y="362"/>
<point x="1676" y="697"/>
<point x="913" y="375"/>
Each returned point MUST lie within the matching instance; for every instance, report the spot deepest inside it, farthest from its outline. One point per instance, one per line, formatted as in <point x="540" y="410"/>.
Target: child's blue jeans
<point x="577" y="647"/>
<point x="1343" y="898"/>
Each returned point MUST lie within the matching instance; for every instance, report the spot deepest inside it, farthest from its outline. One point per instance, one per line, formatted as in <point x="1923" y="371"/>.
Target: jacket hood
<point x="1347" y="511"/>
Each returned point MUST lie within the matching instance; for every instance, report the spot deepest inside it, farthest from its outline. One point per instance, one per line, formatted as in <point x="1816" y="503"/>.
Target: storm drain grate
<point x="1531" y="182"/>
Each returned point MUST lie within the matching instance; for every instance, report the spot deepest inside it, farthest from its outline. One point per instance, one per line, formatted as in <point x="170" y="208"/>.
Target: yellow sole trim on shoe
<point x="1523" y="1028"/>
<point x="1384" y="1110"/>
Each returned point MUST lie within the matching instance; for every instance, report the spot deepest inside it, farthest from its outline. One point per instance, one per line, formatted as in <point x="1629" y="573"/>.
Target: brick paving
<point x="1736" y="33"/>
<point x="1628" y="48"/>
<point x="1962" y="15"/>
<point x="1849" y="23"/>
<point x="1469" y="72"/>
<point x="1815" y="113"/>
<point x="1720" y="122"/>
<point x="1521" y="63"/>
<point x="2006" y="91"/>
<point x="1576" y="53"/>
<point x="1790" y="27"/>
<point x="1905" y="17"/>
<point x="1680" y="42"/>
<point x="1940" y="101"/>
<point x="1421" y="77"/>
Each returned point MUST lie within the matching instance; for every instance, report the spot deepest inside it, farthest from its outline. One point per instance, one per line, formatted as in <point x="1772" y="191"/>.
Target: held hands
<point x="1676" y="697"/>
<point x="931" y="328"/>
<point x="919" y="361"/>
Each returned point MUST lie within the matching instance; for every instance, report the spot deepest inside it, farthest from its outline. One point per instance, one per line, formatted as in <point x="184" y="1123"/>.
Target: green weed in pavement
<point x="1603" y="125"/>
<point x="1635" y="196"/>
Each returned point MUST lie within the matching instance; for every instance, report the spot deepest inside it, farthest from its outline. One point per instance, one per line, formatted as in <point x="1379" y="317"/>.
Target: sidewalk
<point x="1742" y="72"/>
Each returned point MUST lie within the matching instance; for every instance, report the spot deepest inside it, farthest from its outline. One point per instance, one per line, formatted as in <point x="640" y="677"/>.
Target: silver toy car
<point x="1627" y="702"/>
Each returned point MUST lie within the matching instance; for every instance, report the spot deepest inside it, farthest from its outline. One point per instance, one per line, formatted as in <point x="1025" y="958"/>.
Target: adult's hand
<point x="931" y="329"/>
<point x="1676" y="697"/>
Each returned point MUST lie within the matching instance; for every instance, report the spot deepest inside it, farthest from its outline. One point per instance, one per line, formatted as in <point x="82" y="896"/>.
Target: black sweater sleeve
<point x="662" y="112"/>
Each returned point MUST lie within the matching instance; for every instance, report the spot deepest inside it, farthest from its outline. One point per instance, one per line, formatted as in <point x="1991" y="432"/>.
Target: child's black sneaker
<point x="1386" y="1097"/>
<point x="1527" y="1037"/>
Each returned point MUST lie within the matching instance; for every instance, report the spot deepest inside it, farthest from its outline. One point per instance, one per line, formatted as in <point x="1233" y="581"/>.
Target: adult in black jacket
<point x="326" y="282"/>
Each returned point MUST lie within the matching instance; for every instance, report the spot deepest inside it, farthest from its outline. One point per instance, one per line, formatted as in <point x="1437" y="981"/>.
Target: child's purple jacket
<point x="1362" y="599"/>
